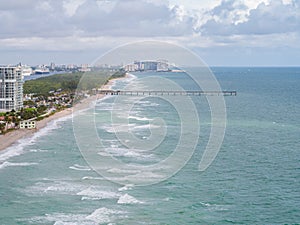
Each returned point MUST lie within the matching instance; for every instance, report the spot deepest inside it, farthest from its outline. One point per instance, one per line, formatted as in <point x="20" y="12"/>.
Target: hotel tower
<point x="11" y="88"/>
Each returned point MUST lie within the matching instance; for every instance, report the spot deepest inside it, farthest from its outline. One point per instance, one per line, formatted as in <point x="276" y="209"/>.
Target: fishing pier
<point x="175" y="93"/>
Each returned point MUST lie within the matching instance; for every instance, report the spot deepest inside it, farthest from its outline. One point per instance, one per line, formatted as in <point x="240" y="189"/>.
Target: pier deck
<point x="175" y="93"/>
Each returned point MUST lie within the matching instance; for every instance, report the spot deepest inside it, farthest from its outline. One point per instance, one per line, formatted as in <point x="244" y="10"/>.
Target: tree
<point x="8" y="120"/>
<point x="2" y="126"/>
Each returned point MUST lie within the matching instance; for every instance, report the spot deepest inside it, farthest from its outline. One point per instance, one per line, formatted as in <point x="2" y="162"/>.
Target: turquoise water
<point x="255" y="178"/>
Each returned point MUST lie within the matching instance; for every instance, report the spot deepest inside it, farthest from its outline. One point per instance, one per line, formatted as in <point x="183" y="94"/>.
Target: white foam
<point x="122" y="171"/>
<point x="9" y="164"/>
<point x="116" y="128"/>
<point x="92" y="178"/>
<point x="139" y="118"/>
<point x="126" y="187"/>
<point x="101" y="105"/>
<point x="103" y="215"/>
<point x="141" y="176"/>
<point x="18" y="148"/>
<point x="93" y="193"/>
<point x="130" y="77"/>
<point x="56" y="187"/>
<point x="214" y="207"/>
<point x="11" y="152"/>
<point x="132" y="154"/>
<point x="61" y="219"/>
<point x="147" y="103"/>
<point x="143" y="127"/>
<point x="65" y="223"/>
<point x="124" y="152"/>
<point x="38" y="150"/>
<point x="128" y="199"/>
<point x="80" y="168"/>
<point x="60" y="189"/>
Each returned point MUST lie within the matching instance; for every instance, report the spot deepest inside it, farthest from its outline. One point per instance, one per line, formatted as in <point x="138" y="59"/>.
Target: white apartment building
<point x="28" y="124"/>
<point x="11" y="88"/>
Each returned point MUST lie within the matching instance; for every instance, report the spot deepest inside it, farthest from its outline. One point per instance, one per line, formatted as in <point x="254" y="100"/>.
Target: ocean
<point x="254" y="178"/>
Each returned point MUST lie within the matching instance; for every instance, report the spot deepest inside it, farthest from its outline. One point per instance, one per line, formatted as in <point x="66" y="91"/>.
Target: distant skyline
<point x="221" y="32"/>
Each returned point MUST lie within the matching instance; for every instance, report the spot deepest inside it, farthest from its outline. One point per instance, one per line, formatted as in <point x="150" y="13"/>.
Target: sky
<point x="221" y="32"/>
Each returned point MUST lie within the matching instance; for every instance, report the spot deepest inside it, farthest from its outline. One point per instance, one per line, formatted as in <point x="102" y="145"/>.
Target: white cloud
<point x="71" y="6"/>
<point x="275" y="17"/>
<point x="79" y="25"/>
<point x="136" y="18"/>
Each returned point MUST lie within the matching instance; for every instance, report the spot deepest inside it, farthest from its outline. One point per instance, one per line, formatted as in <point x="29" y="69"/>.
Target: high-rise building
<point x="11" y="88"/>
<point x="52" y="66"/>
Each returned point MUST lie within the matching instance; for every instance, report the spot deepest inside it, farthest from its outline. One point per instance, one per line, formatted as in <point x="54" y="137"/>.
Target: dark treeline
<point x="70" y="82"/>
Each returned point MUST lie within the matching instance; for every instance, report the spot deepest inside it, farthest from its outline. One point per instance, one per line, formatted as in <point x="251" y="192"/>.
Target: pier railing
<point x="175" y="93"/>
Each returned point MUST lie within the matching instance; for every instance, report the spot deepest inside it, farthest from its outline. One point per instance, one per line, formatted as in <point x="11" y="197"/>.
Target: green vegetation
<point x="10" y="118"/>
<point x="70" y="82"/>
<point x="44" y="85"/>
<point x="54" y="93"/>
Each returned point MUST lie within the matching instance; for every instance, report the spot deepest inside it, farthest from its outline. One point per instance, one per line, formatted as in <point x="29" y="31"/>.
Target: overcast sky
<point x="221" y="32"/>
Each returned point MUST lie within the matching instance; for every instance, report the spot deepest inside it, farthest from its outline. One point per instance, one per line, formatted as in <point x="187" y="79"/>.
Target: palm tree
<point x="2" y="126"/>
<point x="7" y="120"/>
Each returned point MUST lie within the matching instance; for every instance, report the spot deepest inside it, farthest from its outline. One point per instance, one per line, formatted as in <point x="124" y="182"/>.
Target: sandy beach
<point x="12" y="137"/>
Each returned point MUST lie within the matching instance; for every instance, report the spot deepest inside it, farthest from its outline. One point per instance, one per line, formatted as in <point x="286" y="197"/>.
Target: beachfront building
<point x="162" y="66"/>
<point x="28" y="124"/>
<point x="11" y="88"/>
<point x="130" y="67"/>
<point x="148" y="65"/>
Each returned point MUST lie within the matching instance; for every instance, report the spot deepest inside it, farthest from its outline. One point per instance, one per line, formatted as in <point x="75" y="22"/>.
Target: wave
<point x="93" y="193"/>
<point x="125" y="152"/>
<point x="80" y="168"/>
<point x="147" y="103"/>
<point x="18" y="148"/>
<point x="126" y="187"/>
<point x="38" y="150"/>
<point x="140" y="176"/>
<point x="130" y="77"/>
<point x="128" y="199"/>
<point x="139" y="118"/>
<point x="99" y="216"/>
<point x="123" y="171"/>
<point x="92" y="178"/>
<point x="56" y="187"/>
<point x="116" y="128"/>
<point x="214" y="207"/>
<point x="145" y="127"/>
<point x="104" y="215"/>
<point x="58" y="219"/>
<point x="9" y="164"/>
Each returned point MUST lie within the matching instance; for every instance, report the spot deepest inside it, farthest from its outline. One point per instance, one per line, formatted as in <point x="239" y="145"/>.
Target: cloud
<point x="41" y="19"/>
<point x="132" y="18"/>
<point x="16" y="4"/>
<point x="92" y="25"/>
<point x="229" y="18"/>
<point x="135" y="18"/>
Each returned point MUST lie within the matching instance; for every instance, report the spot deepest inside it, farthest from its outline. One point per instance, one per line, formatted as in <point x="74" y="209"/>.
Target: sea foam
<point x="103" y="215"/>
<point x="93" y="193"/>
<point x="18" y="148"/>
<point x="9" y="164"/>
<point x="128" y="199"/>
<point x="80" y="168"/>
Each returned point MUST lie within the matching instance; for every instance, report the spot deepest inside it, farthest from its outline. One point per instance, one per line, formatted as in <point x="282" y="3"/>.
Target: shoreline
<point x="13" y="137"/>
